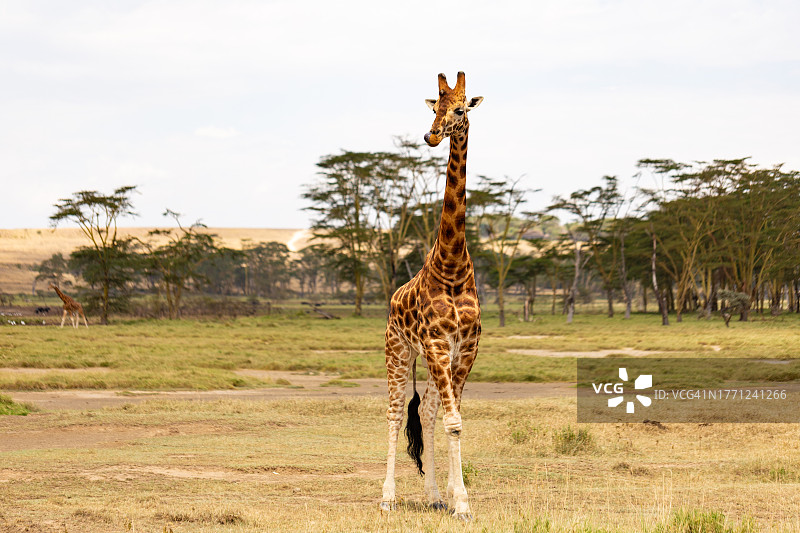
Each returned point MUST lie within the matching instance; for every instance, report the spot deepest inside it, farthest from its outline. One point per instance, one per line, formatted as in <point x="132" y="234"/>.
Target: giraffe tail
<point x="414" y="426"/>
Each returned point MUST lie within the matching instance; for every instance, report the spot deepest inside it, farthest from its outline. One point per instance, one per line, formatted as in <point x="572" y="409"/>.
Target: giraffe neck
<point x="450" y="257"/>
<point x="64" y="297"/>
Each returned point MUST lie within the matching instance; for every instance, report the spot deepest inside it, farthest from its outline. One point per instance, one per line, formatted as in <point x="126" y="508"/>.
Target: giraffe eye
<point x="459" y="111"/>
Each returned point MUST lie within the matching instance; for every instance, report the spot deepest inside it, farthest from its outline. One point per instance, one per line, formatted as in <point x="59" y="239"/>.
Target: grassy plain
<point x="191" y="354"/>
<point x="318" y="465"/>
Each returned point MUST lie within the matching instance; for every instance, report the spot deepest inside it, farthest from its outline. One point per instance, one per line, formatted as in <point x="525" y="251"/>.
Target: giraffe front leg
<point x="63" y="318"/>
<point x="461" y="368"/>
<point x="443" y="376"/>
<point x="428" y="410"/>
<point x="397" y="365"/>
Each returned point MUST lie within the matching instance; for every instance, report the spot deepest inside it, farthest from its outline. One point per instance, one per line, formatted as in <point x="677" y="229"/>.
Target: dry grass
<point x="319" y="465"/>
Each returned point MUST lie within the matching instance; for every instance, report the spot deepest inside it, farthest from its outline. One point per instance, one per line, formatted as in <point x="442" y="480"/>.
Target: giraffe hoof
<point x="388" y="506"/>
<point x="438" y="506"/>
<point x="464" y="517"/>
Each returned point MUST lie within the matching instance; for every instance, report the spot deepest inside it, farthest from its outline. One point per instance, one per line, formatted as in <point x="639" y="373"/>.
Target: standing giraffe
<point x="71" y="307"/>
<point x="437" y="315"/>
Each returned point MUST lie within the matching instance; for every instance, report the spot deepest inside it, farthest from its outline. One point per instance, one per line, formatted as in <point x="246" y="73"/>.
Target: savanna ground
<point x="278" y="424"/>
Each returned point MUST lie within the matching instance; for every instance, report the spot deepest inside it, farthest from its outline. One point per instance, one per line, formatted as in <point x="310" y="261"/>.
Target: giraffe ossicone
<point x="437" y="316"/>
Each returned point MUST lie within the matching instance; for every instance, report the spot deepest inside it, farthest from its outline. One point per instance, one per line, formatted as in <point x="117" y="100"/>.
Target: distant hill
<point x="22" y="248"/>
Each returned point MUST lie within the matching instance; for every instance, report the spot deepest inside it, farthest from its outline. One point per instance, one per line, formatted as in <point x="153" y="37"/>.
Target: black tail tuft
<point x="414" y="432"/>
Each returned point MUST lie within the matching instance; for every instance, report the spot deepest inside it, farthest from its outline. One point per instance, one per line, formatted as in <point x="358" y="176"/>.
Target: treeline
<point x="703" y="237"/>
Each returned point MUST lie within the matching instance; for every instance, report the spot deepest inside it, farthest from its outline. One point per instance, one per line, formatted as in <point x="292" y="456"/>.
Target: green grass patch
<point x="204" y="354"/>
<point x="10" y="407"/>
<point x="568" y="441"/>
<point x="340" y="383"/>
<point x="699" y="521"/>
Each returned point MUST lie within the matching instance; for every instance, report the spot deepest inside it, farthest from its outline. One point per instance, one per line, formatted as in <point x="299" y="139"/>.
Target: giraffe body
<point x="71" y="308"/>
<point x="436" y="315"/>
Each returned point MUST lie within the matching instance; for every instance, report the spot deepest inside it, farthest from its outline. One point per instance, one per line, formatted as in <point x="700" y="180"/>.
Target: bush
<point x="569" y="442"/>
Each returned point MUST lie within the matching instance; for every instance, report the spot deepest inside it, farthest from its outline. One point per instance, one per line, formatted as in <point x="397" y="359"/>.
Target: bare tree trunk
<point x="104" y="315"/>
<point x="359" y="285"/>
<point x="623" y="272"/>
<point x="570" y="303"/>
<point x="501" y="303"/>
<point x="530" y="301"/>
<point x="644" y="297"/>
<point x="610" y="300"/>
<point x="662" y="305"/>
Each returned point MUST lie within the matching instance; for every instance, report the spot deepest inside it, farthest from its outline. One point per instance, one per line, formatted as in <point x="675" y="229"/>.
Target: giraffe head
<point x="451" y="109"/>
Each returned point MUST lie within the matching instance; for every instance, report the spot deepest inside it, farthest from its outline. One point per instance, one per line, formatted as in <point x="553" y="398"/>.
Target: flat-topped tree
<point x="97" y="214"/>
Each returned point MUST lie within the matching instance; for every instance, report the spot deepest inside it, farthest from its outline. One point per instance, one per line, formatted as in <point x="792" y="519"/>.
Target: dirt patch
<point x="91" y="436"/>
<point x="302" y="386"/>
<point x="626" y="352"/>
<point x="344" y="351"/>
<point x="278" y="475"/>
<point x="533" y="337"/>
<point x="80" y="437"/>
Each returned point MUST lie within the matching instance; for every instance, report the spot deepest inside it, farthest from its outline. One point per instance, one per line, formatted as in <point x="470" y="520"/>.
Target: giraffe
<point x="437" y="315"/>
<point x="71" y="307"/>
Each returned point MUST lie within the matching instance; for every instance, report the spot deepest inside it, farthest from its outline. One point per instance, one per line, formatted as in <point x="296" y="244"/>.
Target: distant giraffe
<point x="437" y="315"/>
<point x="71" y="307"/>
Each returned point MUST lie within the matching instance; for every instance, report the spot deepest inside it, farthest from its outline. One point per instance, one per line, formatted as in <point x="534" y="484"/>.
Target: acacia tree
<point x="178" y="260"/>
<point x="308" y="267"/>
<point x="124" y="268"/>
<point x="684" y="223"/>
<point x="343" y="205"/>
<point x="526" y="270"/>
<point x="97" y="214"/>
<point x="393" y="186"/>
<point x="426" y="172"/>
<point x="496" y="205"/>
<point x="594" y="208"/>
<point x="759" y="223"/>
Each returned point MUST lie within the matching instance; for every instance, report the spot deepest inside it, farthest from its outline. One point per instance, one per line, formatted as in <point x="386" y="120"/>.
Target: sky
<point x="221" y="110"/>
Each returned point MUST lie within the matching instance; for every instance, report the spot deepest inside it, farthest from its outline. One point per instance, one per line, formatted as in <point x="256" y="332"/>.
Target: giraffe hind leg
<point x="428" y="411"/>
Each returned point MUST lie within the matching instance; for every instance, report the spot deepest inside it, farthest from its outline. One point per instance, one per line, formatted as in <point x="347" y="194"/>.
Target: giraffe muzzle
<point x="432" y="139"/>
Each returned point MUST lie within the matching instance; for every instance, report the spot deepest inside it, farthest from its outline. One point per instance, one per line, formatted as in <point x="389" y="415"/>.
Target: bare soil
<point x="23" y="433"/>
<point x="627" y="352"/>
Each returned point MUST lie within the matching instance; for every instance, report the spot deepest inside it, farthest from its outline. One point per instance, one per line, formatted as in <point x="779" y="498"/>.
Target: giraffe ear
<point x="430" y="103"/>
<point x="474" y="102"/>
